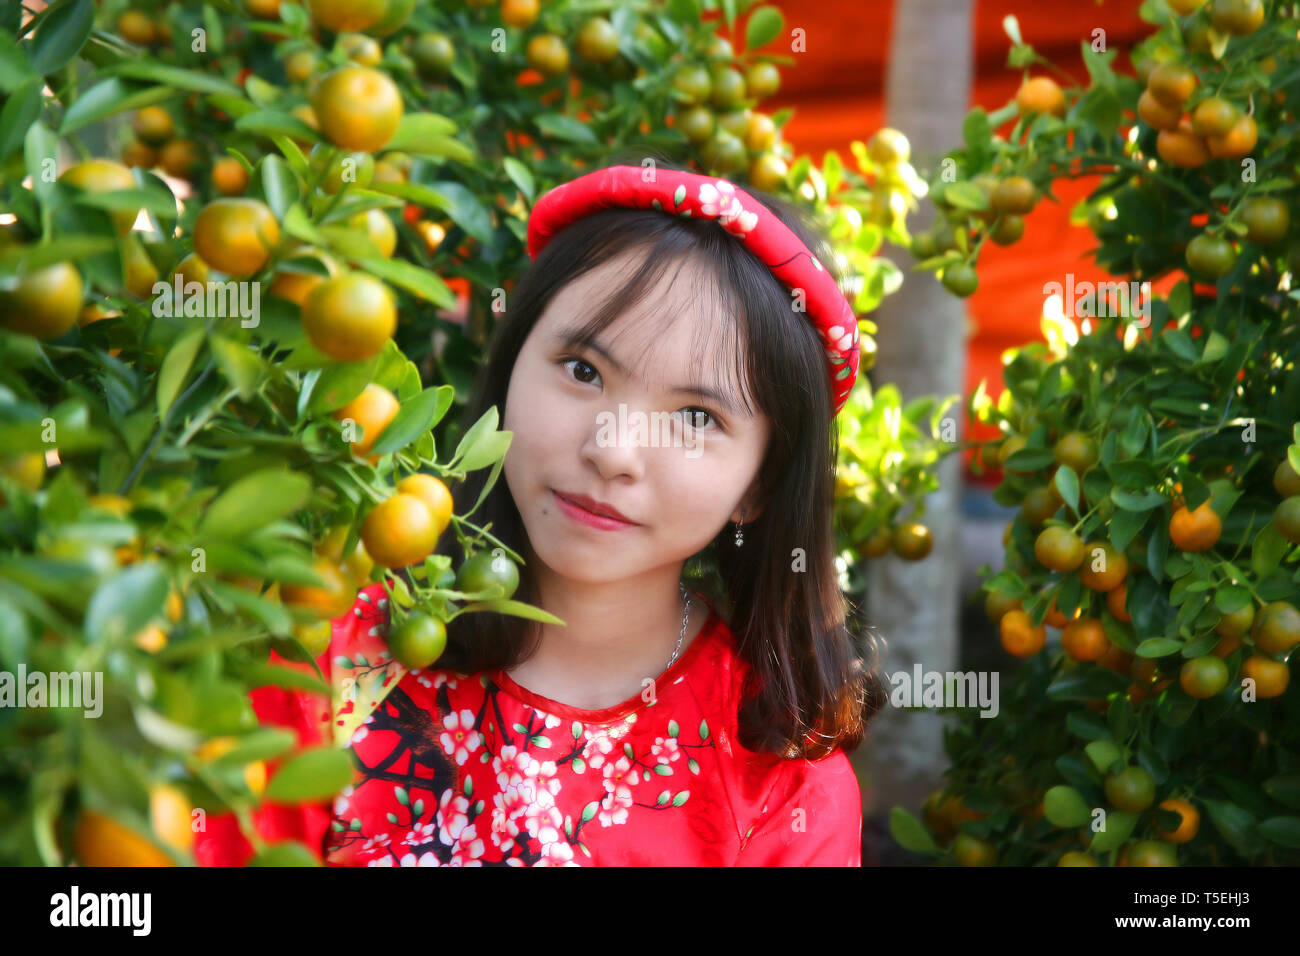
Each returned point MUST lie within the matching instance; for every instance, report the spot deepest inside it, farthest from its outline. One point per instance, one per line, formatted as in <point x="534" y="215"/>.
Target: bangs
<point x="719" y="349"/>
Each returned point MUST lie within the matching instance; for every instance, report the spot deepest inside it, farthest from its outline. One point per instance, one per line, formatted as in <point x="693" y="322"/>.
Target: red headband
<point x="691" y="194"/>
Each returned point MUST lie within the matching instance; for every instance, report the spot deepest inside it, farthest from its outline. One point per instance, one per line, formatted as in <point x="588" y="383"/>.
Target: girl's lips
<point x="586" y="517"/>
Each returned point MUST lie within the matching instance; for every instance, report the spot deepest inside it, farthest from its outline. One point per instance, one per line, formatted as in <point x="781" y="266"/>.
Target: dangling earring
<point x="740" y="537"/>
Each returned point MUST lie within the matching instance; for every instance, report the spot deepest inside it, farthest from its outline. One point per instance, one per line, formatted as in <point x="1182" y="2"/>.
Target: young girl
<point x="669" y="368"/>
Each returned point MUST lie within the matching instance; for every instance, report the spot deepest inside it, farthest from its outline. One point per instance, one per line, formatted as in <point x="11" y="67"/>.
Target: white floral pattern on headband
<point x="720" y="200"/>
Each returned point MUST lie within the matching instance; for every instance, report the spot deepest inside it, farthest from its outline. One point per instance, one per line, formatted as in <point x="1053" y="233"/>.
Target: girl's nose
<point x="617" y="441"/>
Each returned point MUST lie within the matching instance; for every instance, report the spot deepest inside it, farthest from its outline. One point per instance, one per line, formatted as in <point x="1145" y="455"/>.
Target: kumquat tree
<point x="250" y="255"/>
<point x="1152" y="448"/>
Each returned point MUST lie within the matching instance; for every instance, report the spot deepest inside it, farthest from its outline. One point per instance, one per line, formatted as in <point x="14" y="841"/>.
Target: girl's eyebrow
<point x="574" y="339"/>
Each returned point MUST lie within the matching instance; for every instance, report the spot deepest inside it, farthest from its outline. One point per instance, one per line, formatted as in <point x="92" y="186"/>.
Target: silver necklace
<point x="685" y="617"/>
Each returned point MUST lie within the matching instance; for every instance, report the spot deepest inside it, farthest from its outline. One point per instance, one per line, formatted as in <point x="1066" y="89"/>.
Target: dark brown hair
<point x="813" y="684"/>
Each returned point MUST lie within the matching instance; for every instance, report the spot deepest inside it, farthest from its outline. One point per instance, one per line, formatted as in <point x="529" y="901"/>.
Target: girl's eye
<point x="586" y="365"/>
<point x="692" y="421"/>
<point x="691" y="414"/>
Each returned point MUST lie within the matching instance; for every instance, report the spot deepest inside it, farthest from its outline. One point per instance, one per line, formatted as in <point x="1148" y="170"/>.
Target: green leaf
<point x="1119" y="718"/>
<point x="765" y="25"/>
<point x="279" y="184"/>
<point x="1137" y="501"/>
<point x="338" y="384"/>
<point x="18" y="115"/>
<point x="1101" y="107"/>
<point x="285" y="853"/>
<point x="254" y="501"/>
<point x="312" y="775"/>
<point x="299" y="226"/>
<point x="1284" y="788"/>
<point x="466" y="209"/>
<point x="216" y="31"/>
<point x="1181" y="344"/>
<point x="131" y="199"/>
<point x="966" y="195"/>
<point x="243" y="368"/>
<point x="516" y="608"/>
<point x="1158" y="550"/>
<point x="1065" y="807"/>
<point x="1125" y="526"/>
<point x="1234" y="824"/>
<point x="684" y="11"/>
<point x="106" y="98"/>
<point x="1119" y="827"/>
<point x="417" y="417"/>
<point x="263" y="675"/>
<point x="1067" y="483"/>
<point x="1284" y="831"/>
<point x="259" y="91"/>
<point x="1029" y="459"/>
<point x="265" y="743"/>
<point x="487" y="450"/>
<point x="175" y="367"/>
<point x="61" y="33"/>
<point x="521" y="176"/>
<point x="1230" y="598"/>
<point x="1104" y="754"/>
<point x="1135" y="475"/>
<point x="236" y="106"/>
<point x="1087" y="725"/>
<point x="1216" y="346"/>
<point x="14" y="635"/>
<point x="1098" y="64"/>
<point x="486" y="425"/>
<point x="414" y="279"/>
<point x="274" y="122"/>
<point x="414" y="192"/>
<point x="106" y="768"/>
<point x="124" y="603"/>
<point x="443" y="147"/>
<point x="416" y="127"/>
<point x="977" y="132"/>
<point x="14" y="68"/>
<point x="348" y="242"/>
<point x="910" y="832"/>
<point x="1084" y="684"/>
<point x="1267" y="550"/>
<point x="274" y="617"/>
<point x="1180" y="299"/>
<point x="220" y="707"/>
<point x="175" y="78"/>
<point x="1158" y="647"/>
<point x="566" y="128"/>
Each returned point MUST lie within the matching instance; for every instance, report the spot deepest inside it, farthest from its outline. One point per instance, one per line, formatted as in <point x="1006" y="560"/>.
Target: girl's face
<point x="575" y="412"/>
